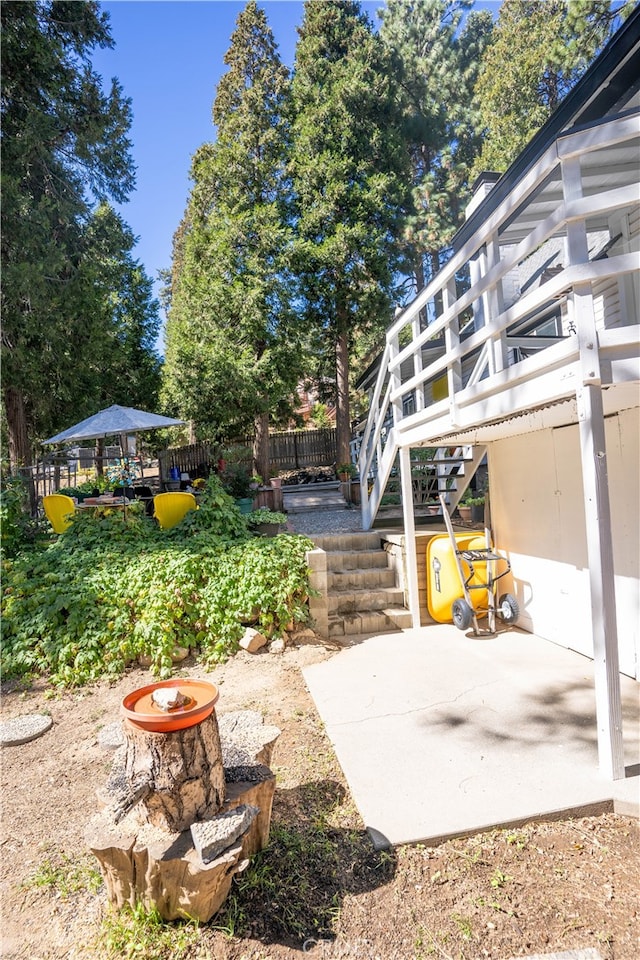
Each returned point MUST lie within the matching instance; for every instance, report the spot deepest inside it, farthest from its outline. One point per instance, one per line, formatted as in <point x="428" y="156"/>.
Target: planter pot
<point x="477" y="513"/>
<point x="268" y="529"/>
<point x="465" y="512"/>
<point x="355" y="491"/>
<point x="244" y="504"/>
<point x="265" y="497"/>
<point x="276" y="491"/>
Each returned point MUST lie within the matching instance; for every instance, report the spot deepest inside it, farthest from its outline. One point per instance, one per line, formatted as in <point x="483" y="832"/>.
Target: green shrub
<point x="237" y="480"/>
<point x="17" y="528"/>
<point x="109" y="590"/>
<point x="264" y="515"/>
<point x="217" y="514"/>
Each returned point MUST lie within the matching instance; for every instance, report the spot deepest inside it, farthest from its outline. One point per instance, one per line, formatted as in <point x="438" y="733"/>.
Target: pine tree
<point x="232" y="356"/>
<point x="437" y="67"/>
<point x="64" y="145"/>
<point x="538" y="52"/>
<point x="349" y="172"/>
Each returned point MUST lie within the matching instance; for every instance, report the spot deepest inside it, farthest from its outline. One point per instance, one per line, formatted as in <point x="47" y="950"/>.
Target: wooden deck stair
<point x="362" y="593"/>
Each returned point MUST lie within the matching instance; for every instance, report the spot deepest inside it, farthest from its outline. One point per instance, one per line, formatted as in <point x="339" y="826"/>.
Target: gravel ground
<point x="320" y="522"/>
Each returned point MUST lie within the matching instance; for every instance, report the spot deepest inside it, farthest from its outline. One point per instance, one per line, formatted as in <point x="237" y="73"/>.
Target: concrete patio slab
<point x="442" y="734"/>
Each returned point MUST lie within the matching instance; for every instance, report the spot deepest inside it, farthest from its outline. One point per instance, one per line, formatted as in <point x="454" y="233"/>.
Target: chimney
<point x="480" y="189"/>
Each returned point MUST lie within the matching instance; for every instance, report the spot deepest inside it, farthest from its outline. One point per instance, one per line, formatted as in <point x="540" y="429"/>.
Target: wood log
<point x="257" y="792"/>
<point x="181" y="769"/>
<point x="163" y="871"/>
<point x="162" y="783"/>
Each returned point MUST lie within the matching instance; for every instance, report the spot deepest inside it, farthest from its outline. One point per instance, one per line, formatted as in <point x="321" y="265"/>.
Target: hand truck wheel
<point x="508" y="608"/>
<point x="462" y="614"/>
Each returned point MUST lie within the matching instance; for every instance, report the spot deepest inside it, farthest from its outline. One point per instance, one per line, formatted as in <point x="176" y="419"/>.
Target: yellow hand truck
<point x="471" y="606"/>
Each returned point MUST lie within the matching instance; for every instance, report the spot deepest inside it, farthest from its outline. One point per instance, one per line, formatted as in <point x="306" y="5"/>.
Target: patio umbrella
<point x="111" y="421"/>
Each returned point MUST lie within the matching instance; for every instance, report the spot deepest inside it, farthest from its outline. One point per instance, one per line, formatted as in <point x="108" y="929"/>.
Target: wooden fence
<point x="289" y="450"/>
<point x="297" y="449"/>
<point x="197" y="459"/>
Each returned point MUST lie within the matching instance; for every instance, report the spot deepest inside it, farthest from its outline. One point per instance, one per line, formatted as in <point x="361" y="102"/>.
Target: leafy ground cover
<point x="319" y="889"/>
<point x="90" y="602"/>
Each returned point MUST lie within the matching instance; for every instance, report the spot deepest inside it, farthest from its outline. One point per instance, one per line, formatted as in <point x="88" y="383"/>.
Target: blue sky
<point x="168" y="57"/>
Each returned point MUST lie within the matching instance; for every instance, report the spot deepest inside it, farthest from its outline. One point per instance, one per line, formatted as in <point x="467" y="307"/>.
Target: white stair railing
<point x="489" y="389"/>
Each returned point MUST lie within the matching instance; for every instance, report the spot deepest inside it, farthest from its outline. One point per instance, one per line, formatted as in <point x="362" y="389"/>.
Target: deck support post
<point x="409" y="535"/>
<point x="597" y="509"/>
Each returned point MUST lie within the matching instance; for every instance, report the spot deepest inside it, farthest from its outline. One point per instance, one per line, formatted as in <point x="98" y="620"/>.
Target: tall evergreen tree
<point x="64" y="144"/>
<point x="102" y="348"/>
<point x="437" y="62"/>
<point x="129" y="316"/>
<point x="349" y="171"/>
<point x="537" y="53"/>
<point x="231" y="346"/>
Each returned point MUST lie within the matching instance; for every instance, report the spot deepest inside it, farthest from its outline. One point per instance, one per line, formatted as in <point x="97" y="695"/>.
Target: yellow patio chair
<point x="170" y="508"/>
<point x="58" y="509"/>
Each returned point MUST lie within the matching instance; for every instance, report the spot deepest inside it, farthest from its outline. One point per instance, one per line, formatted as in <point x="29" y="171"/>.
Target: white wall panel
<point x="538" y="521"/>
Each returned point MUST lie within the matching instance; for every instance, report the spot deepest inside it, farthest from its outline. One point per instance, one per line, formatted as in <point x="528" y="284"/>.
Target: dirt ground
<point x="319" y="888"/>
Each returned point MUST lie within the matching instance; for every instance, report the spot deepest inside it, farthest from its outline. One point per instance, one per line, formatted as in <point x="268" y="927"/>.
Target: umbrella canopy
<point x="114" y="420"/>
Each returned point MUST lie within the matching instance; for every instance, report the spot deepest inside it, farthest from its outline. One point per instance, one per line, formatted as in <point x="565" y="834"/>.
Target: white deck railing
<point x="483" y="381"/>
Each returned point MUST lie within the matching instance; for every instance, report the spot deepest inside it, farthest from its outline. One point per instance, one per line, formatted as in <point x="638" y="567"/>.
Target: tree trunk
<point x="19" y="450"/>
<point x="343" y="418"/>
<point x="169" y="779"/>
<point x="186" y="871"/>
<point x="261" y="445"/>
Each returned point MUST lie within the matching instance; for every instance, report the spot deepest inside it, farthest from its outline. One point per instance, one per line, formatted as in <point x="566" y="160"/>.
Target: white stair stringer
<point x="470" y="460"/>
<point x="371" y="502"/>
<point x="470" y="465"/>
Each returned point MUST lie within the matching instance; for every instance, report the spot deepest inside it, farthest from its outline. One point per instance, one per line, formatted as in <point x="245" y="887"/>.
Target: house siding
<point x="538" y="518"/>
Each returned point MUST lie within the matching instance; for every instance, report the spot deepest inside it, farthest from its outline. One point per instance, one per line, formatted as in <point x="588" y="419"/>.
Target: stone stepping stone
<point x="23" y="729"/>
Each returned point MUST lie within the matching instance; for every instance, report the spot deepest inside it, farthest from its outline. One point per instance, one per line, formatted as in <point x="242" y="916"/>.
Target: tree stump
<point x="163" y="871"/>
<point x="168" y="779"/>
<point x="162" y="784"/>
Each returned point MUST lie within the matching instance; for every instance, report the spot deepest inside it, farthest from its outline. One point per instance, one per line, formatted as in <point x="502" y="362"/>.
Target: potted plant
<point x="477" y="508"/>
<point x="464" y="508"/>
<point x="237" y="481"/>
<point x="266" y="522"/>
<point x="346" y="471"/>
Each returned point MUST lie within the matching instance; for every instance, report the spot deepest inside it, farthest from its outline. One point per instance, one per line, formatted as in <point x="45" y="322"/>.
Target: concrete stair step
<point x="364" y="601"/>
<point x="348" y="542"/>
<point x="357" y="560"/>
<point x="311" y="503"/>
<point x="378" y="621"/>
<point x="361" y="579"/>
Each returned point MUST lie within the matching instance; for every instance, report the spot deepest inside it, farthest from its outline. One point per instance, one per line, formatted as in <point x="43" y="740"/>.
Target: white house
<point x="534" y="363"/>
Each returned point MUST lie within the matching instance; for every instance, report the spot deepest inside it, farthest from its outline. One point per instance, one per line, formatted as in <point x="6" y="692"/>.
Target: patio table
<point x="117" y="502"/>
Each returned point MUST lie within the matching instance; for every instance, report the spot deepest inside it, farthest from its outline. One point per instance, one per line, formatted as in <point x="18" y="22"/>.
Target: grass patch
<point x="293" y="890"/>
<point x="134" y="933"/>
<point x="66" y="876"/>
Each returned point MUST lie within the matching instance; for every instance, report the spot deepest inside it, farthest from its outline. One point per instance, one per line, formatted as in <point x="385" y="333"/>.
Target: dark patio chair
<point x="124" y="492"/>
